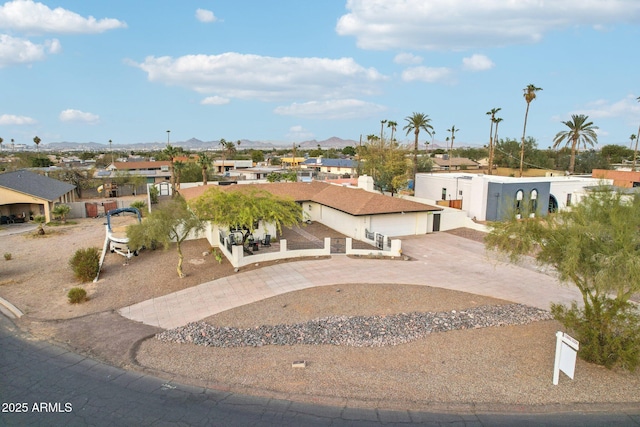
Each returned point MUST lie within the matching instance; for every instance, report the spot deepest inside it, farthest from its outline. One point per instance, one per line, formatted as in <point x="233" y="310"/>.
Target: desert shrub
<point x="141" y="205"/>
<point x="609" y="336"/>
<point x="40" y="220"/>
<point x="77" y="295"/>
<point x="7" y="256"/>
<point x="153" y="194"/>
<point x="85" y="263"/>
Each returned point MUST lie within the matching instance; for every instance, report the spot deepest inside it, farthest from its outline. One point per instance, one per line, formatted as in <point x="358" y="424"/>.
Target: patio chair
<point x="266" y="241"/>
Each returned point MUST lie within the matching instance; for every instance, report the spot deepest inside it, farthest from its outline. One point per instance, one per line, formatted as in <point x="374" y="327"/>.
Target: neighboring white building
<point x="487" y="197"/>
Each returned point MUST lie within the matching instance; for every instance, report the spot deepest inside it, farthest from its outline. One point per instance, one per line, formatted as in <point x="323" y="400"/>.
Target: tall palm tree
<point x="453" y="131"/>
<point x="13" y="145"/>
<point x="491" y="113"/>
<point x="178" y="167"/>
<point x="204" y="161"/>
<point x="415" y="122"/>
<point x="631" y="139"/>
<point x="580" y="131"/>
<point x="37" y="141"/>
<point x="529" y="95"/>
<point x="391" y="124"/>
<point x="495" y="137"/>
<point x="171" y="152"/>
<point x="382" y="122"/>
<point x="223" y="144"/>
<point x="635" y="151"/>
<point x="1" y="140"/>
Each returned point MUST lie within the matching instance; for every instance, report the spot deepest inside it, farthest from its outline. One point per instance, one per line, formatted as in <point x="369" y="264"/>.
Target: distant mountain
<point x="195" y="144"/>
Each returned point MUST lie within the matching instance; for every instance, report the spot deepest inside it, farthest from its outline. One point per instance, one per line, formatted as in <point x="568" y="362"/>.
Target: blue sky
<point x="290" y="71"/>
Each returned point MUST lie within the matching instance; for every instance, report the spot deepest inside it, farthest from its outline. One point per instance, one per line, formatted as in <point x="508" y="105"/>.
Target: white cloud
<point x="235" y="75"/>
<point x="71" y="115"/>
<point x="627" y="108"/>
<point x="428" y="74"/>
<point x="37" y="18"/>
<point x="298" y="132"/>
<point x="204" y="15"/>
<point x="464" y="24"/>
<point x="215" y="100"/>
<point x="407" y="59"/>
<point x="477" y="62"/>
<point x="15" y="50"/>
<point x="331" y="109"/>
<point x="10" y="119"/>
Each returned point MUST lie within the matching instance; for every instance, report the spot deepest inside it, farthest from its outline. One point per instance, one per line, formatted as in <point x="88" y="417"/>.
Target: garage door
<point x="394" y="225"/>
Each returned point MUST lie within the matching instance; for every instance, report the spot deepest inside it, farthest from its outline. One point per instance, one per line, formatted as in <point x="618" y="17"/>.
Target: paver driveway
<point x="439" y="260"/>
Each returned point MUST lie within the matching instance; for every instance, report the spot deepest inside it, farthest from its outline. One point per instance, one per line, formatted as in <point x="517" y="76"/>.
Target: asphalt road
<point x="42" y="384"/>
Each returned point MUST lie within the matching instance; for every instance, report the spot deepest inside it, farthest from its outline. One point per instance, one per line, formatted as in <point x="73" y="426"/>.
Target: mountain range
<point x="195" y="144"/>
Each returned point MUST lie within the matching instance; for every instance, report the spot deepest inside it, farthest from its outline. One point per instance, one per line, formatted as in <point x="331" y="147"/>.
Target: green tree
<point x="529" y="95"/>
<point x="349" y="151"/>
<point x="415" y="122"/>
<point x="386" y="163"/>
<point x="594" y="246"/>
<point x="204" y="161"/>
<point x="257" y="156"/>
<point x="41" y="162"/>
<point x="616" y="153"/>
<point x="170" y="223"/>
<point x="244" y="207"/>
<point x="580" y="131"/>
<point x="61" y="211"/>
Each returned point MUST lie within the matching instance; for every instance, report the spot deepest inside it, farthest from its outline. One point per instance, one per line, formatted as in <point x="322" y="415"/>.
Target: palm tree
<point x="171" y="152"/>
<point x="178" y="167"/>
<point x="415" y="122"/>
<point x="529" y="95"/>
<point x="491" y="113"/>
<point x="13" y="145"/>
<point x="1" y="140"/>
<point x="382" y="122"/>
<point x="204" y="161"/>
<point x="497" y="121"/>
<point x="631" y="139"/>
<point x="391" y="124"/>
<point x="453" y="131"/>
<point x="223" y="144"/>
<point x="580" y="131"/>
<point x="37" y="141"/>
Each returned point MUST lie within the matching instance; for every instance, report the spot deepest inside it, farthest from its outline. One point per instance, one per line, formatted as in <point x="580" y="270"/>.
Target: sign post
<point x="566" y="351"/>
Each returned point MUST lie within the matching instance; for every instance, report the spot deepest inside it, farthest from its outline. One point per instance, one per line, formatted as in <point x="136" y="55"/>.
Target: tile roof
<point x="34" y="184"/>
<point x="354" y="201"/>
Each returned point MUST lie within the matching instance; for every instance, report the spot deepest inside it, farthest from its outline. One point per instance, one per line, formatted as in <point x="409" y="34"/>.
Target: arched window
<point x="533" y="202"/>
<point x="519" y="197"/>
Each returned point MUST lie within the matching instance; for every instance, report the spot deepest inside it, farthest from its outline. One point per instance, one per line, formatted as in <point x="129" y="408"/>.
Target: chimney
<point x="366" y="183"/>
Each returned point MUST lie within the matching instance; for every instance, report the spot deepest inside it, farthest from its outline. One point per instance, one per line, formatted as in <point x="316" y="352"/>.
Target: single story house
<point x="353" y="212"/>
<point x="491" y="197"/>
<point x="23" y="192"/>
<point x="454" y="163"/>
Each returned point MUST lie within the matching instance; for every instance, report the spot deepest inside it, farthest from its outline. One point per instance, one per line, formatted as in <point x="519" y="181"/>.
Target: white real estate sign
<point x="566" y="351"/>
